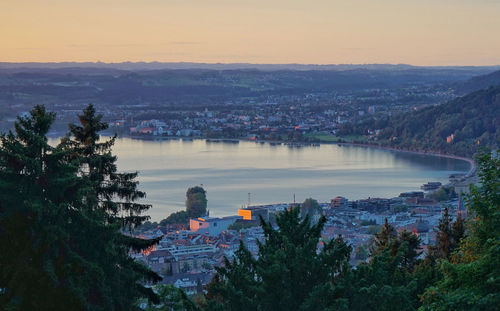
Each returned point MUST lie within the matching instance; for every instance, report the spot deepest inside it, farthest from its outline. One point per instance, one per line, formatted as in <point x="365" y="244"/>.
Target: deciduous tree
<point x="196" y="202"/>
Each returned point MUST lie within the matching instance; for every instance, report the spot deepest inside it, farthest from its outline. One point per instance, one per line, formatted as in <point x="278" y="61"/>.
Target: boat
<point x="431" y="185"/>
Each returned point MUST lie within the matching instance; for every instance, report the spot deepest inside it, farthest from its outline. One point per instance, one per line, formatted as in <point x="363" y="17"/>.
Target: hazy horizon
<point x="427" y="33"/>
<point x="236" y="63"/>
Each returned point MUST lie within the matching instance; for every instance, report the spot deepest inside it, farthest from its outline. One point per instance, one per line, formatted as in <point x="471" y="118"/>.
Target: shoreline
<point x="471" y="161"/>
<point x="470" y="173"/>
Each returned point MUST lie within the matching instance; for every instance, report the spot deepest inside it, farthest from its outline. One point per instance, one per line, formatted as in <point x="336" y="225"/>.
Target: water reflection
<point x="272" y="173"/>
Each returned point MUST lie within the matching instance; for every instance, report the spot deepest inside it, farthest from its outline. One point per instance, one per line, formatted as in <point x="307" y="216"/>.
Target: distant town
<point x="311" y="118"/>
<point x="250" y="104"/>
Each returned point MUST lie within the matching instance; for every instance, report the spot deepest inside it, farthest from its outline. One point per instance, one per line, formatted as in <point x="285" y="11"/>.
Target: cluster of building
<point x="276" y="118"/>
<point x="187" y="258"/>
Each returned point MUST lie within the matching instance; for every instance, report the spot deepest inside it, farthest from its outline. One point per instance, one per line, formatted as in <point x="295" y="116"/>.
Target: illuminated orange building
<point x="253" y="212"/>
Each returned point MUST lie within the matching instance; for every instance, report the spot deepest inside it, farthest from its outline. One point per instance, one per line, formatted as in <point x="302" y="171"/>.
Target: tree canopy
<point x="294" y="270"/>
<point x="63" y="210"/>
<point x="458" y="127"/>
<point x="196" y="202"/>
<point x="472" y="279"/>
<point x="312" y="208"/>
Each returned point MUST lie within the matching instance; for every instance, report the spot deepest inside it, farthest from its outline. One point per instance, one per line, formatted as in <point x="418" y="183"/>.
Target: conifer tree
<point x="457" y="231"/>
<point x="115" y="192"/>
<point x="473" y="281"/>
<point x="61" y="247"/>
<point x="289" y="273"/>
<point x="111" y="204"/>
<point x="443" y="245"/>
<point x="409" y="245"/>
<point x="39" y="199"/>
<point x="389" y="281"/>
<point x="448" y="236"/>
<point x="384" y="238"/>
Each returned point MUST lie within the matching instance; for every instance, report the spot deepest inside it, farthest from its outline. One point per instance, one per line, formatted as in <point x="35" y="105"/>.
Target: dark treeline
<point x="63" y="213"/>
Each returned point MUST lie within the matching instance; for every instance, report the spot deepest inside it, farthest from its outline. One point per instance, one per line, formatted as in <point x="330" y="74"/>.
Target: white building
<point x="211" y="226"/>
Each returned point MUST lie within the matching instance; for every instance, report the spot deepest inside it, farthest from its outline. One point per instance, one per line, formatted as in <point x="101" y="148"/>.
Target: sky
<point x="417" y="32"/>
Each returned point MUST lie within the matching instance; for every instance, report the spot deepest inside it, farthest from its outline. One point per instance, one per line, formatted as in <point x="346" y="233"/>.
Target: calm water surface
<point x="272" y="174"/>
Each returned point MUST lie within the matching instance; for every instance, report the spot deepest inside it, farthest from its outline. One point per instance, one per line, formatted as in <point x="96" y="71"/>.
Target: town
<point x="186" y="256"/>
<point x="307" y="118"/>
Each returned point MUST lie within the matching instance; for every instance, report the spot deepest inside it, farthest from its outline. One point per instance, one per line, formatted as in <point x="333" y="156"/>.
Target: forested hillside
<point x="479" y="82"/>
<point x="458" y="127"/>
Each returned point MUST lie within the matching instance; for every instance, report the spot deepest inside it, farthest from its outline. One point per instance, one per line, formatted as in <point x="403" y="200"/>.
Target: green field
<point x="334" y="139"/>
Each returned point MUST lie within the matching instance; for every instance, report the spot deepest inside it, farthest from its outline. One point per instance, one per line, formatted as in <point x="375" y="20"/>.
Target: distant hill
<point x="458" y="127"/>
<point x="479" y="83"/>
<point x="63" y="84"/>
<point x="140" y="66"/>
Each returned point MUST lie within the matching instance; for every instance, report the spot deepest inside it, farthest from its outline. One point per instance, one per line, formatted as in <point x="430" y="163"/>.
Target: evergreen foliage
<point x="448" y="236"/>
<point x="40" y="268"/>
<point x="115" y="192"/>
<point x="172" y="298"/>
<point x="289" y="273"/>
<point x="61" y="239"/>
<point x="389" y="280"/>
<point x="460" y="273"/>
<point x="311" y="208"/>
<point x="473" y="282"/>
<point x="384" y="238"/>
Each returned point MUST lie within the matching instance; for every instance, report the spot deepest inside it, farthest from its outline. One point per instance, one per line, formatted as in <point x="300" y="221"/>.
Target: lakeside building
<point x="211" y="226"/>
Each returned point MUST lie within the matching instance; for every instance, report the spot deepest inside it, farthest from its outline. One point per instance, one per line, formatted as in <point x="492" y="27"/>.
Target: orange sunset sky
<point x="423" y="32"/>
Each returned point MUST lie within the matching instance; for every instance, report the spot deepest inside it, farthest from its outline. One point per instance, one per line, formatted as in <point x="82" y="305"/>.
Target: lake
<point x="272" y="174"/>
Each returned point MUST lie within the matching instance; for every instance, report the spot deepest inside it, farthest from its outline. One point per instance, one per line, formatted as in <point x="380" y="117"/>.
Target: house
<point x="211" y="226"/>
<point x="338" y="202"/>
<point x="160" y="261"/>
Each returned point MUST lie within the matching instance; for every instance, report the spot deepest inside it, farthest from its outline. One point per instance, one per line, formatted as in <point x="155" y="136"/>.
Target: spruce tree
<point x="443" y="246"/>
<point x="290" y="273"/>
<point x="457" y="232"/>
<point x="384" y="238"/>
<point x="111" y="204"/>
<point x="39" y="201"/>
<point x="115" y="192"/>
<point x="448" y="236"/>
<point x="62" y="247"/>
<point x="409" y="245"/>
<point x="394" y="278"/>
